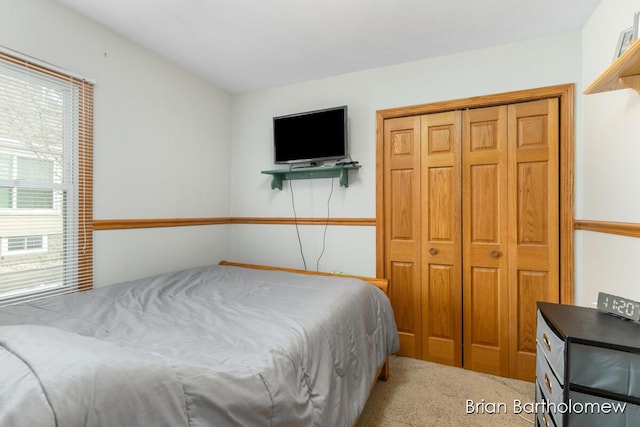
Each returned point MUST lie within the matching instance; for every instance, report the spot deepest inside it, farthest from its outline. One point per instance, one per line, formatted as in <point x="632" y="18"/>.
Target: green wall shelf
<point x="311" y="172"/>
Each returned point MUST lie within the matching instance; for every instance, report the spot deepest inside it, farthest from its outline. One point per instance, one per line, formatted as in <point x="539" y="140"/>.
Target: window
<point x="46" y="126"/>
<point x="25" y="169"/>
<point x="23" y="245"/>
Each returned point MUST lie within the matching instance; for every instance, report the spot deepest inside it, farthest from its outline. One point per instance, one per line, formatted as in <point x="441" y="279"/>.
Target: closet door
<point x="485" y="235"/>
<point x="402" y="228"/>
<point x="533" y="226"/>
<point x="441" y="238"/>
<point x="485" y="183"/>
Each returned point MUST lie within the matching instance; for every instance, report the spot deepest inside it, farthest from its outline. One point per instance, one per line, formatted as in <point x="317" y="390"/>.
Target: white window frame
<point x="71" y="185"/>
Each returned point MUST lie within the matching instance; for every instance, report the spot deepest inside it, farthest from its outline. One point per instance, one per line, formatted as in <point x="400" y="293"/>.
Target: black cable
<point x="326" y="225"/>
<point x="295" y="217"/>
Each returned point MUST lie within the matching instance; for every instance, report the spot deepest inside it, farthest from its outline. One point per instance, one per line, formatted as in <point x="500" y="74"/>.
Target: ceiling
<point x="247" y="45"/>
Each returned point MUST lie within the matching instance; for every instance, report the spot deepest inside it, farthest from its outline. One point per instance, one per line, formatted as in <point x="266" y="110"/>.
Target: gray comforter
<point x="210" y="346"/>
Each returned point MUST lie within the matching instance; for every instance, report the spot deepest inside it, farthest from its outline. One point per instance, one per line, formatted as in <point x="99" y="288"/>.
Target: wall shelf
<point x="623" y="73"/>
<point x="311" y="172"/>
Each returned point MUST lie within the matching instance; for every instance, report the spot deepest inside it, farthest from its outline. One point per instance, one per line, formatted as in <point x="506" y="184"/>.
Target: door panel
<point x="402" y="228"/>
<point x="484" y="302"/>
<point x="484" y="203"/>
<point x="532" y="222"/>
<point x="534" y="228"/>
<point x="530" y="287"/>
<point x="402" y="182"/>
<point x="485" y="264"/>
<point x="441" y="240"/>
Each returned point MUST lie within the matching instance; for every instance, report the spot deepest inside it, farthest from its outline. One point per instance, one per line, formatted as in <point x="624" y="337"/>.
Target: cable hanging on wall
<point x="295" y="219"/>
<point x="326" y="225"/>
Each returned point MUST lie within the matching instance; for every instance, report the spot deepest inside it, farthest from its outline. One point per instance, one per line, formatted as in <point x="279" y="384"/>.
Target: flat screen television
<point x="311" y="137"/>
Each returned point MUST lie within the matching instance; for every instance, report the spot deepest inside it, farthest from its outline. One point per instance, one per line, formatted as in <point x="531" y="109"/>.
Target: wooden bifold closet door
<point x="471" y="230"/>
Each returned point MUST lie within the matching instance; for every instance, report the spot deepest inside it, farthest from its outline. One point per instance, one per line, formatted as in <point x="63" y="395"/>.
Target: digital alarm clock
<point x="619" y="306"/>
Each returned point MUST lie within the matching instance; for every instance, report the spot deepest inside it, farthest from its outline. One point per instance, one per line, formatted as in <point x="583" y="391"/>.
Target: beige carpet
<point x="421" y="393"/>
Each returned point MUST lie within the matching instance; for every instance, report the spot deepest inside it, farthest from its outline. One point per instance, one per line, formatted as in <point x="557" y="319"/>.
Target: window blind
<point x="46" y="180"/>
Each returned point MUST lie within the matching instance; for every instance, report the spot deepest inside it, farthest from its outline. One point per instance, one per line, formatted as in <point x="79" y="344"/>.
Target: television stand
<point x="311" y="172"/>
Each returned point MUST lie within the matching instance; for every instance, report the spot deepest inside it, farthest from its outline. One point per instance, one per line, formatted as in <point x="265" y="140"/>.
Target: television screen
<point x="312" y="136"/>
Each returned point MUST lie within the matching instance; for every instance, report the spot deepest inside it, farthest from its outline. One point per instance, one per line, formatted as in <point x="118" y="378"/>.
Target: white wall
<point x="530" y="64"/>
<point x="607" y="175"/>
<point x="161" y="141"/>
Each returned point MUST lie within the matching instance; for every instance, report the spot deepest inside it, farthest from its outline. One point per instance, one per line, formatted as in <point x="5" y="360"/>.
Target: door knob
<point x="495" y="254"/>
<point x="433" y="251"/>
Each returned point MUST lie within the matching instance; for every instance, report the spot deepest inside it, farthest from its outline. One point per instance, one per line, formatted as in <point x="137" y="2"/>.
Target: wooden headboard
<point x="380" y="283"/>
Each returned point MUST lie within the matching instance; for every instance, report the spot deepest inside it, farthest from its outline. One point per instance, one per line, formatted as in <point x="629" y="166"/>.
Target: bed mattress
<point x="208" y="346"/>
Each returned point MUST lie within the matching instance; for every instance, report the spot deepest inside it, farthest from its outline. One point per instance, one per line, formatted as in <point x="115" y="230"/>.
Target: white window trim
<point x="76" y="171"/>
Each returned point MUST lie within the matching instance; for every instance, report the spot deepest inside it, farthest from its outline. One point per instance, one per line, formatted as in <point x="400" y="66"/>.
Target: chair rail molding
<point x="123" y="224"/>
<point x="630" y="229"/>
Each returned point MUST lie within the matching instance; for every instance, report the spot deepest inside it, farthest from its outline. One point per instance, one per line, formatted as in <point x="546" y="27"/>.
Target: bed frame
<point x="383" y="284"/>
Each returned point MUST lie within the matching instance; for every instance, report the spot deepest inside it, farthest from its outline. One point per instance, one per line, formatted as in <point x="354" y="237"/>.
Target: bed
<point x="218" y="345"/>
